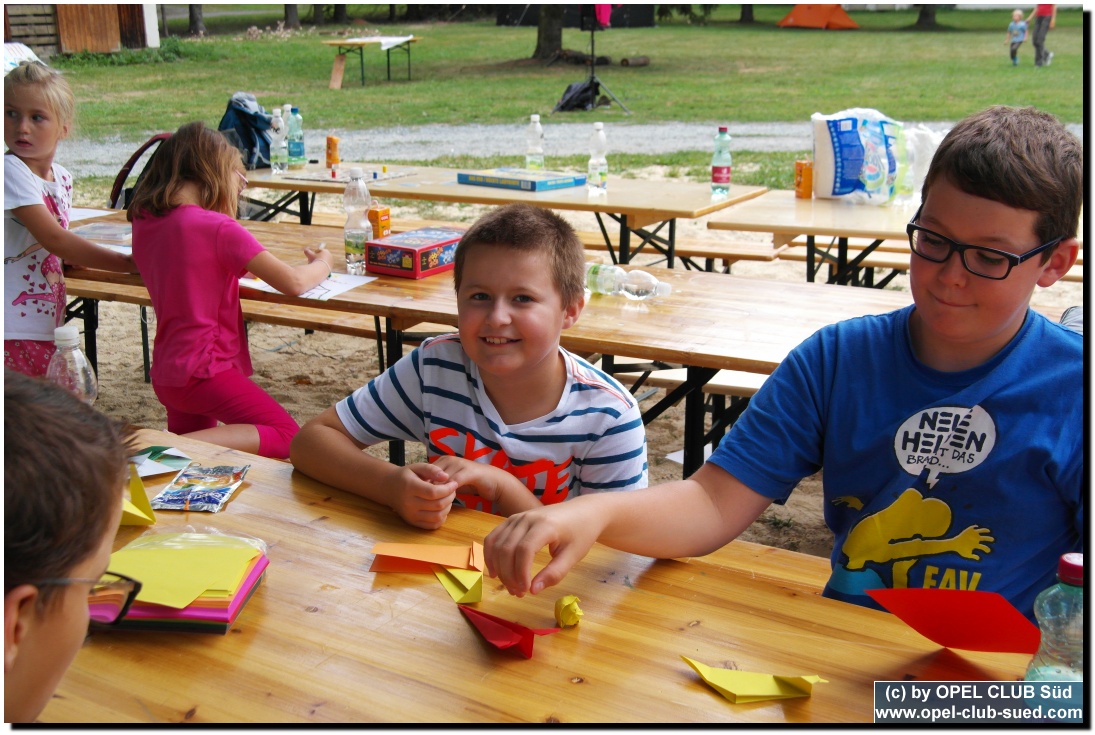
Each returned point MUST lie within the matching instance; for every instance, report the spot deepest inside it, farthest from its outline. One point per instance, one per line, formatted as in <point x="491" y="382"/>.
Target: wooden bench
<point x="310" y="319"/>
<point x="726" y="252"/>
<point x="886" y="246"/>
<point x="897" y="261"/>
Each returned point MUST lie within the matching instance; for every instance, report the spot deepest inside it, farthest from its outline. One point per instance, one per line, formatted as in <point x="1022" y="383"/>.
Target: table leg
<point x="694" y="418"/>
<point x="389" y="55"/>
<point x="87" y="310"/>
<point x="811" y="255"/>
<point x="625" y="240"/>
<point x="396" y="451"/>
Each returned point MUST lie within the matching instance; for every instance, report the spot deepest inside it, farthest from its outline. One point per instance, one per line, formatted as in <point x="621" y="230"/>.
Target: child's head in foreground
<point x="1021" y="157"/>
<point x="33" y="87"/>
<point x="64" y="469"/>
<point x="523" y="228"/>
<point x="197" y="155"/>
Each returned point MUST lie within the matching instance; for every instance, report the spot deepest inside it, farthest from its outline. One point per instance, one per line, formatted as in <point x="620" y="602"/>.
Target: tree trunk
<point x="391" y="14"/>
<point x="292" y="18"/>
<point x="317" y="14"/>
<point x="926" y="19"/>
<point x="341" y="17"/>
<point x="197" y="23"/>
<point x="746" y="14"/>
<point x="549" y="33"/>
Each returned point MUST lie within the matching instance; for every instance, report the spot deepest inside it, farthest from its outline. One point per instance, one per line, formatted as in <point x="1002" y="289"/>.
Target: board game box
<point x="413" y="254"/>
<point x="519" y="178"/>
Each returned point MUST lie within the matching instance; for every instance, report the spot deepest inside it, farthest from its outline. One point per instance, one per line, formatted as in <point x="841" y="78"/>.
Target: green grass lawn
<point x="477" y="72"/>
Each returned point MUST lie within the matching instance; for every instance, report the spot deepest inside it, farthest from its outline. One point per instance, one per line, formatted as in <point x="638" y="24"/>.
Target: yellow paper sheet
<point x="175" y="577"/>
<point x="745" y="686"/>
<point x="463" y="585"/>
<point x="136" y="510"/>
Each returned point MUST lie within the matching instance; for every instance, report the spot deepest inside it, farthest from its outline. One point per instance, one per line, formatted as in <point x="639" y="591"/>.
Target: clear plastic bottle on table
<point x="358" y="231"/>
<point x="613" y="280"/>
<point x="297" y="157"/>
<point x="1060" y="614"/>
<point x="69" y="368"/>
<point x="597" y="176"/>
<point x="279" y="143"/>
<point x="534" y="149"/>
<point x="721" y="165"/>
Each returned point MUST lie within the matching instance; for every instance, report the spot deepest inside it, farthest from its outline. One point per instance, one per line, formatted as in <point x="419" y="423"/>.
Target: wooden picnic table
<point x="324" y="640"/>
<point x="357" y="46"/>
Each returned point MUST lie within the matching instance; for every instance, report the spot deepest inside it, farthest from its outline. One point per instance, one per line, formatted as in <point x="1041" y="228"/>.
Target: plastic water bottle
<point x="279" y="144"/>
<point x="613" y="280"/>
<point x="358" y="231"/>
<point x="69" y="368"/>
<point x="534" y="152"/>
<point x="297" y="157"/>
<point x="720" y="165"/>
<point x="597" y="177"/>
<point x="1060" y="614"/>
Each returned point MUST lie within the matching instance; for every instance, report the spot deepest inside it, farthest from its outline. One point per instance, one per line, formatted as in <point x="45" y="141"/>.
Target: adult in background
<point x="1045" y="19"/>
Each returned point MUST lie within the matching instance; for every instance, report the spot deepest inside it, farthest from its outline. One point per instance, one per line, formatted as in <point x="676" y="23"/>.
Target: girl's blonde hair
<point x="58" y="94"/>
<point x="195" y="154"/>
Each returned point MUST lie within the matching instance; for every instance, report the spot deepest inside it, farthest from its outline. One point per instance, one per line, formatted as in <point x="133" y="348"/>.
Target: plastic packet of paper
<point x="201" y="488"/>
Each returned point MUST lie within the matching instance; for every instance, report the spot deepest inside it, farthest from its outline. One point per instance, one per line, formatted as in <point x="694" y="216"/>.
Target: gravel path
<point x="426" y="142"/>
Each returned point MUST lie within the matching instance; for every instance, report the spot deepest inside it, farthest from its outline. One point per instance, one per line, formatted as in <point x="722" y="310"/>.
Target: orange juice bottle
<point x="380" y="217"/>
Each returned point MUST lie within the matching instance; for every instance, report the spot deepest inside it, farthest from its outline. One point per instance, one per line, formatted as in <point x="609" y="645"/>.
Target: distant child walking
<point x="1017" y="33"/>
<point x="191" y="252"/>
<point x="39" y="109"/>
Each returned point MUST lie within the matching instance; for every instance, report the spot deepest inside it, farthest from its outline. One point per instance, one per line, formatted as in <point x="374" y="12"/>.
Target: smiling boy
<point x="950" y="431"/>
<point x="510" y="420"/>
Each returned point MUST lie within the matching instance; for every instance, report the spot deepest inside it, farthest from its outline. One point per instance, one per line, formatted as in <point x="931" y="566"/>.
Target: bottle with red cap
<point x="1060" y="614"/>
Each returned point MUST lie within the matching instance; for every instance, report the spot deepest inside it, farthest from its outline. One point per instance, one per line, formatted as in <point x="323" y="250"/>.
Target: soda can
<point x="804" y="179"/>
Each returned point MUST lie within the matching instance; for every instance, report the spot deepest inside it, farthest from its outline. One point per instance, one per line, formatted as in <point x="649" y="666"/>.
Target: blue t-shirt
<point x="967" y="480"/>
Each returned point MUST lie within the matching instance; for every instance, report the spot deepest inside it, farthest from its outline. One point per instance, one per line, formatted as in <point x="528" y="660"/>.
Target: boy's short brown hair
<point x="525" y="228"/>
<point x="64" y="467"/>
<point x="1021" y="157"/>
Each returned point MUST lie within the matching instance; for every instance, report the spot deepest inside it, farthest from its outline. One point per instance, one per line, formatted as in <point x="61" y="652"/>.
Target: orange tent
<point x="818" y="16"/>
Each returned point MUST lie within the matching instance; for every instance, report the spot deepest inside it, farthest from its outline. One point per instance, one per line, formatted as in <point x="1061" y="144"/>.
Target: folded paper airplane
<point x="463" y="585"/>
<point x="505" y="633"/>
<point x="968" y="620"/>
<point x="136" y="510"/>
<point x="741" y="687"/>
<point x="421" y="558"/>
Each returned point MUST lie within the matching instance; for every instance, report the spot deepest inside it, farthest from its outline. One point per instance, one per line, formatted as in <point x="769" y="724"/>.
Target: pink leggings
<point x="230" y="398"/>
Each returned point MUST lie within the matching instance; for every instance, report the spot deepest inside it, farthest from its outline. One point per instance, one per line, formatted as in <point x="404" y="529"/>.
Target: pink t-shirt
<point x="191" y="260"/>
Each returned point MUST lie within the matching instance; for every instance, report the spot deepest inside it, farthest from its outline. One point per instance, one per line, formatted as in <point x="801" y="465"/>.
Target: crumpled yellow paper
<point x="567" y="612"/>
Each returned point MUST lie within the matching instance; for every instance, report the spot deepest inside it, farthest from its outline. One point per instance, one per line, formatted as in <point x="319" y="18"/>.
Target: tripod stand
<point x="594" y="83"/>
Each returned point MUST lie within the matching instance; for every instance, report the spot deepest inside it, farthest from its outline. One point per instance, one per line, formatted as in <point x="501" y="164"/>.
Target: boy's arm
<point x="67" y="245"/>
<point x="323" y="449"/>
<point x="687" y="518"/>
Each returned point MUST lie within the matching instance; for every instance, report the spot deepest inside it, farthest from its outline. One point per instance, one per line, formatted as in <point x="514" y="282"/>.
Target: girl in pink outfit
<point x="191" y="252"/>
<point x="38" y="111"/>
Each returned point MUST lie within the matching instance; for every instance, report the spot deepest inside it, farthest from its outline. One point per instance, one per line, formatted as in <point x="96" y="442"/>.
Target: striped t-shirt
<point x="593" y="441"/>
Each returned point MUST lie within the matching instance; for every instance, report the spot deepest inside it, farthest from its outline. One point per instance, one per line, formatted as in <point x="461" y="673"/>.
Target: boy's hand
<point x="425" y="496"/>
<point x="474" y="478"/>
<point x="565" y="528"/>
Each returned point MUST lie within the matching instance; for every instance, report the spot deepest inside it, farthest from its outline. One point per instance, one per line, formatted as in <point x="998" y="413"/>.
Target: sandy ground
<point x="309" y="373"/>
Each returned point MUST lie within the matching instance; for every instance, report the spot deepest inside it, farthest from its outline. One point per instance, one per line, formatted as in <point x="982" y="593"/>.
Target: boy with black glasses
<point x="950" y="431"/>
<point x="64" y="470"/>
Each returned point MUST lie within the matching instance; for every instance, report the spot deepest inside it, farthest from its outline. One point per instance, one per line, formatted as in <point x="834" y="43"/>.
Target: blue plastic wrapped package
<point x="859" y="153"/>
<point x="201" y="488"/>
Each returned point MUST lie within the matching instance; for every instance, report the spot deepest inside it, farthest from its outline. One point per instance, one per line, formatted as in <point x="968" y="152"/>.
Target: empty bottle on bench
<point x="358" y="231"/>
<point x="597" y="175"/>
<point x="633" y="284"/>
<point x="297" y="157"/>
<point x="69" y="367"/>
<point x="720" y="165"/>
<point x="279" y="143"/>
<point x="534" y="150"/>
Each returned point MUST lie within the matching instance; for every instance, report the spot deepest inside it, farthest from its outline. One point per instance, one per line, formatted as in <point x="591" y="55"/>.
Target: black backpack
<point x="247" y="126"/>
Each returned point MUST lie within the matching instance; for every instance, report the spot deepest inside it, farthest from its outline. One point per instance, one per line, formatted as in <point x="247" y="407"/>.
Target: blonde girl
<point x="38" y="112"/>
<point x="191" y="252"/>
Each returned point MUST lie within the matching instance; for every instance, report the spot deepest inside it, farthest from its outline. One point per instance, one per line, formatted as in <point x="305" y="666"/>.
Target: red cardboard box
<point x="413" y="254"/>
